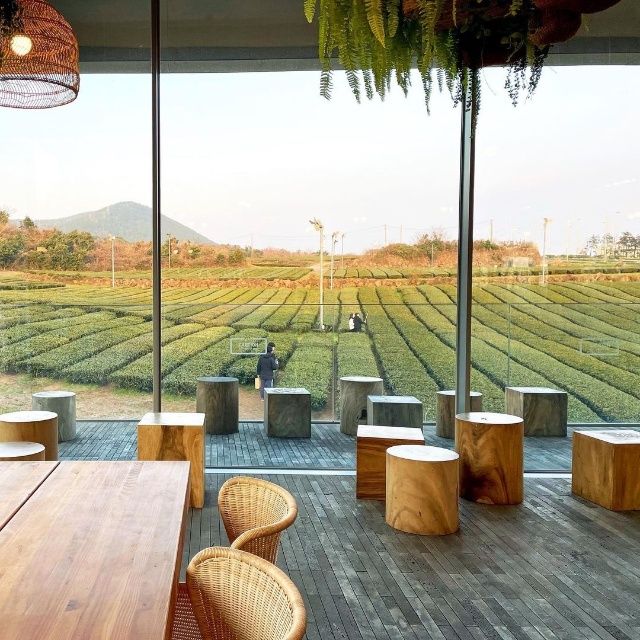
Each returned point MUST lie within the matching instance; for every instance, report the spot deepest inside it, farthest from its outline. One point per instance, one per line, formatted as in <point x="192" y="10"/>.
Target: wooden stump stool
<point x="14" y="451"/>
<point x="446" y="411"/>
<point x="217" y="398"/>
<point x="491" y="448"/>
<point x="422" y="490"/>
<point x="353" y="401"/>
<point x="62" y="403"/>
<point x="394" y="411"/>
<point x="176" y="436"/>
<point x="606" y="468"/>
<point x="371" y="456"/>
<point x="31" y="426"/>
<point x="543" y="410"/>
<point x="287" y="413"/>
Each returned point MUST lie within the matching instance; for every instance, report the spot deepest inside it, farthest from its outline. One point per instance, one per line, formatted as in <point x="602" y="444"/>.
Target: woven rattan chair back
<point x="255" y="513"/>
<point x="239" y="596"/>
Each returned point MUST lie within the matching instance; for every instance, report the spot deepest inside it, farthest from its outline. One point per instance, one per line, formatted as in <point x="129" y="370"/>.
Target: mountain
<point x="130" y="221"/>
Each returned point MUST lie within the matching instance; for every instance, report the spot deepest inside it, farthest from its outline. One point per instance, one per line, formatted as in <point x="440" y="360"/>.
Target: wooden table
<point x="95" y="552"/>
<point x="18" y="481"/>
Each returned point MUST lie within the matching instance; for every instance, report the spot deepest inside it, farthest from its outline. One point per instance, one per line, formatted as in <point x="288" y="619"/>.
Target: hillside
<point x="130" y="221"/>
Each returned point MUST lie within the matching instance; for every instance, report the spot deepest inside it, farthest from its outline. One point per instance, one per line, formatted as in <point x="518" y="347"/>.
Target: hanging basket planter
<point x="380" y="40"/>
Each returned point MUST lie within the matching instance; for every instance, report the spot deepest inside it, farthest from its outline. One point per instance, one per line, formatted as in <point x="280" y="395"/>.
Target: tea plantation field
<point x="582" y="338"/>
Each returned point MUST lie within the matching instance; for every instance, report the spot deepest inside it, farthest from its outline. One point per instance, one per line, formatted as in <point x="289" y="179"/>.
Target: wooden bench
<point x="31" y="426"/>
<point x="394" y="411"/>
<point x="372" y="443"/>
<point x="177" y="437"/>
<point x="353" y="401"/>
<point x="287" y="412"/>
<point x="446" y="411"/>
<point x="63" y="404"/>
<point x="491" y="448"/>
<point x="217" y="398"/>
<point x="543" y="410"/>
<point x="606" y="468"/>
<point x="422" y="490"/>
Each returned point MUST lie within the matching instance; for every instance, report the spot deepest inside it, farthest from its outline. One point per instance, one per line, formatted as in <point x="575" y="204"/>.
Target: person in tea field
<point x="358" y="322"/>
<point x="267" y="366"/>
<point x="351" y="325"/>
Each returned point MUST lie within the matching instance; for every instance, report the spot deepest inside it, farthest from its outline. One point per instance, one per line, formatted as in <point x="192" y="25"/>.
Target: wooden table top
<point x="172" y="419"/>
<point x="95" y="553"/>
<point x="18" y="481"/>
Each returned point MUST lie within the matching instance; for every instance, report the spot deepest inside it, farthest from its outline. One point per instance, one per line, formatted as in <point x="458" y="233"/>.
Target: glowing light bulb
<point x="21" y="45"/>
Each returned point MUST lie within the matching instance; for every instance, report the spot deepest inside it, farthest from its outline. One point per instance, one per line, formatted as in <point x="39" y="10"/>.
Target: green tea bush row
<point x="96" y="369"/>
<point x="280" y="319"/>
<point x="35" y="317"/>
<point x="355" y="356"/>
<point x="137" y="375"/>
<point x="239" y="311"/>
<point x="311" y="367"/>
<point x="262" y="313"/>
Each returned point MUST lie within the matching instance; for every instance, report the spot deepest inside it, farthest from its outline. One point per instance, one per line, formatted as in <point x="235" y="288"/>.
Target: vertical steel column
<point x="156" y="278"/>
<point x="465" y="247"/>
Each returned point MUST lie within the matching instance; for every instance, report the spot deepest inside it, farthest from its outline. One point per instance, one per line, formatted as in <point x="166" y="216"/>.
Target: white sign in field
<point x="247" y="346"/>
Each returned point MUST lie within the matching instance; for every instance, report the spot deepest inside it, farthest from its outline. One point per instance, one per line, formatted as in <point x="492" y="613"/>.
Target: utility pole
<point x="491" y="231"/>
<point x="342" y="251"/>
<point x="546" y="222"/>
<point x="113" y="262"/>
<point x="169" y="249"/>
<point x="319" y="227"/>
<point x="251" y="248"/>
<point x="334" y="241"/>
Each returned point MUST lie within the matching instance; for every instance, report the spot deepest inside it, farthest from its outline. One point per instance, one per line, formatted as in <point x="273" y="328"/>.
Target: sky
<point x="252" y="157"/>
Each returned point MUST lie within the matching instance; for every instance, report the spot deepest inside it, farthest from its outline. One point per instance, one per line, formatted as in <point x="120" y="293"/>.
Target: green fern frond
<point x="375" y="18"/>
<point x="368" y="83"/>
<point x="309" y="9"/>
<point x="393" y="16"/>
<point x="326" y="84"/>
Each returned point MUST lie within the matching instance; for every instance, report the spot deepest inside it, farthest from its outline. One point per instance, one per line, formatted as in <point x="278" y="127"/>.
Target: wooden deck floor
<point x="251" y="448"/>
<point x="554" y="567"/>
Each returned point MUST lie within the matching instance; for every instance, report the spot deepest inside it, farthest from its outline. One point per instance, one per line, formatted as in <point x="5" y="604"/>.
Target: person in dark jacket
<point x="357" y="322"/>
<point x="267" y="366"/>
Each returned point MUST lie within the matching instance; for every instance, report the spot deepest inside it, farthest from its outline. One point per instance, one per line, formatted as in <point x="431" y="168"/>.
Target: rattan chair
<point x="237" y="596"/>
<point x="255" y="512"/>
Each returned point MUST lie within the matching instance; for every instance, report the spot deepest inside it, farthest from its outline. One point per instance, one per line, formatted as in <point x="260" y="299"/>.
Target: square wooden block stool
<point x="371" y="448"/>
<point x="394" y="411"/>
<point x="606" y="468"/>
<point x="543" y="410"/>
<point x="287" y="413"/>
<point x="176" y="436"/>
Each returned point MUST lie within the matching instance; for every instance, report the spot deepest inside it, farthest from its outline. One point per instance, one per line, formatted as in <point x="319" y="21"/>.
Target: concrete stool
<point x="14" y="451"/>
<point x="394" y="411"/>
<point x="606" y="468"/>
<point x="422" y="490"/>
<point x="491" y="448"/>
<point x="446" y="411"/>
<point x="31" y="426"/>
<point x="543" y="410"/>
<point x="353" y="401"/>
<point x="371" y="456"/>
<point x="176" y="436"/>
<point x="287" y="413"/>
<point x="217" y="398"/>
<point x="63" y="403"/>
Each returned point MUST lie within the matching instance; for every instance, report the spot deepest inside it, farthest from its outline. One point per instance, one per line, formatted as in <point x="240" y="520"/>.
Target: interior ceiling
<point x="249" y="35"/>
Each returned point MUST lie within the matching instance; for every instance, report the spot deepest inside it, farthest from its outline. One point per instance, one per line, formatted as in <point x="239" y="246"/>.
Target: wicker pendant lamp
<point x="38" y="56"/>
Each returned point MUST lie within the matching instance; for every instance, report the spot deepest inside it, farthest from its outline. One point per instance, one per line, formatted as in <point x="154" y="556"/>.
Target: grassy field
<point x="579" y="337"/>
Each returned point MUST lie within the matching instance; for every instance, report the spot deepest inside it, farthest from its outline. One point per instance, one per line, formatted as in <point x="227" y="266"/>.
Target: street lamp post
<point x="334" y="242"/>
<point x="319" y="227"/>
<point x="113" y="262"/>
<point x="342" y="251"/>
<point x="544" y="250"/>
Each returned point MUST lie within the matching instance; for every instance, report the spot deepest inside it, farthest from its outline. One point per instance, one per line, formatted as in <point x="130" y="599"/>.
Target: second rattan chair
<point x="237" y="596"/>
<point x="255" y="512"/>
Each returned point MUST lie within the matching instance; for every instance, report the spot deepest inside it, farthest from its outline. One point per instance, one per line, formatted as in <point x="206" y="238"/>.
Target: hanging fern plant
<point x="378" y="41"/>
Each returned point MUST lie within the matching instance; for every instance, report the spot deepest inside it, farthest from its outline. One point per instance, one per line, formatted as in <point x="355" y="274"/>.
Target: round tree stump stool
<point x="31" y="426"/>
<point x="217" y="398"/>
<point x="62" y="403"/>
<point x="354" y="391"/>
<point x="422" y="490"/>
<point x="15" y="451"/>
<point x="491" y="448"/>
<point x="446" y="411"/>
